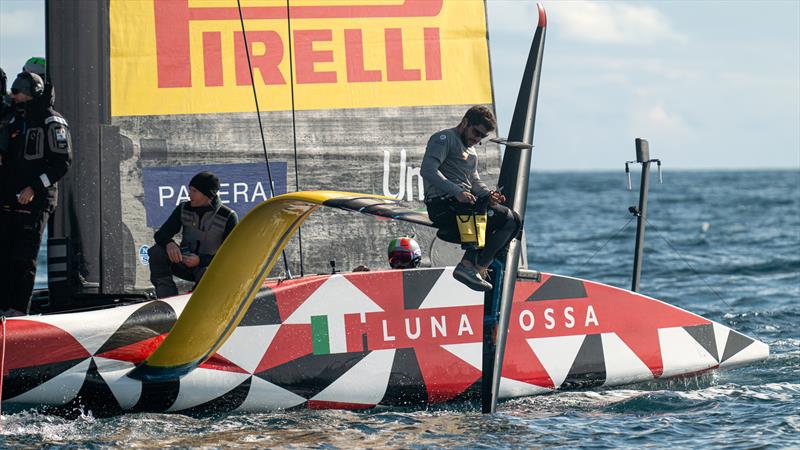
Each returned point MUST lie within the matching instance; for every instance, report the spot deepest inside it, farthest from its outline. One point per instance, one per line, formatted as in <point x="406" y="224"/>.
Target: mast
<point x="643" y="158"/>
<point x="514" y="177"/>
<point x="86" y="233"/>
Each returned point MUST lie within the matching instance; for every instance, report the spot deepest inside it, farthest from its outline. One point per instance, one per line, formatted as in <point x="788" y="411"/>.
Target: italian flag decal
<point x="328" y="334"/>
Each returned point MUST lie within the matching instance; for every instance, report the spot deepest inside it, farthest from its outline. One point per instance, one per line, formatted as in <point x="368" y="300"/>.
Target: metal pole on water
<point x="642" y="157"/>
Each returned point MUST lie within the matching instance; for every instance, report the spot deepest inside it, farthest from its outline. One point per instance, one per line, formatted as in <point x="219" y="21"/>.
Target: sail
<point x="347" y="103"/>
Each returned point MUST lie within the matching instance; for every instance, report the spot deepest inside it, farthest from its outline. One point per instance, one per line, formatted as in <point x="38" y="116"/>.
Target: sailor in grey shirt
<point x="450" y="168"/>
<point x="450" y="176"/>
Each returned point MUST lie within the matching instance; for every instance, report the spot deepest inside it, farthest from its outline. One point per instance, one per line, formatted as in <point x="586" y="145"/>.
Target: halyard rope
<point x="582" y="266"/>
<point x="258" y="114"/>
<point x="294" y="128"/>
<point x="685" y="261"/>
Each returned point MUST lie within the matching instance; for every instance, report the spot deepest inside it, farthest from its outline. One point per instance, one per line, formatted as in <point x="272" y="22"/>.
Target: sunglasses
<point x="15" y="91"/>
<point x="478" y="133"/>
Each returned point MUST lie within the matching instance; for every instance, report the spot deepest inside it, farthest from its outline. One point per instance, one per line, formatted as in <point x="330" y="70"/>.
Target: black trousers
<point x="162" y="270"/>
<point x="20" y="237"/>
<point x="502" y="225"/>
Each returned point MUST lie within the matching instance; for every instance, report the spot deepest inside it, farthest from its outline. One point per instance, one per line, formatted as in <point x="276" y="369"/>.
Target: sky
<point x="710" y="84"/>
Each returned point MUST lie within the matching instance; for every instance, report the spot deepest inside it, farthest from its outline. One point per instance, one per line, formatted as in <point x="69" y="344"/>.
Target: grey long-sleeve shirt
<point x="449" y="167"/>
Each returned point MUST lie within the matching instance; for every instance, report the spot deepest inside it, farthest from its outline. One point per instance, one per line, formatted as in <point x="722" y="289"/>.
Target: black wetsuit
<point x="35" y="147"/>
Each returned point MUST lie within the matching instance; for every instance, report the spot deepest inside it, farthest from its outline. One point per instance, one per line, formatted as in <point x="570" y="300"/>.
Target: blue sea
<point x="723" y="244"/>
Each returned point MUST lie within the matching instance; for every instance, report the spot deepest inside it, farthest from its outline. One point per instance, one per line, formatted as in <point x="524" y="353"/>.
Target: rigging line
<point x="685" y="261"/>
<point x="258" y="114"/>
<point x="294" y="128"/>
<point x="581" y="267"/>
<point x="680" y="255"/>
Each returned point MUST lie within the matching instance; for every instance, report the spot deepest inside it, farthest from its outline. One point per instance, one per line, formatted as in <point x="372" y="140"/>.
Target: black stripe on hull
<point x="704" y="335"/>
<point x="311" y="374"/>
<point x="263" y="310"/>
<point x="29" y="378"/>
<point x="736" y="343"/>
<point x="557" y="288"/>
<point x="222" y="404"/>
<point x="157" y="396"/>
<point x="470" y="394"/>
<point x="589" y="368"/>
<point x="152" y="319"/>
<point x="417" y="285"/>
<point x="406" y="385"/>
<point x="94" y="396"/>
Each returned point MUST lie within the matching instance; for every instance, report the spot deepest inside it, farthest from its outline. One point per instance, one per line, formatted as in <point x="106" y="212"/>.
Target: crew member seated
<point x="204" y="223"/>
<point x="450" y="175"/>
<point x="404" y="253"/>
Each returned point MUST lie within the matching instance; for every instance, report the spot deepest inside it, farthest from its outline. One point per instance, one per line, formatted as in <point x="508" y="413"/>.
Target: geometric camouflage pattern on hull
<point x="356" y="340"/>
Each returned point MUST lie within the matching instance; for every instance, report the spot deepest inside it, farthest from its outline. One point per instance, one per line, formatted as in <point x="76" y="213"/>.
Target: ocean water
<point x="725" y="245"/>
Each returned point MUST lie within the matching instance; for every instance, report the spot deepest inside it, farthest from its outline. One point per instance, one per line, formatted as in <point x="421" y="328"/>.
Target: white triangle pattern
<point x="756" y="351"/>
<point x="59" y="390"/>
<point x="447" y="292"/>
<point x="681" y="354"/>
<point x="721" y="333"/>
<point x="125" y="389"/>
<point x="91" y="328"/>
<point x="365" y="383"/>
<point x="336" y="296"/>
<point x="557" y="354"/>
<point x="246" y="345"/>
<point x="471" y="353"/>
<point x="622" y="364"/>
<point x="178" y="303"/>
<point x="512" y="388"/>
<point x="264" y="395"/>
<point x="202" y="385"/>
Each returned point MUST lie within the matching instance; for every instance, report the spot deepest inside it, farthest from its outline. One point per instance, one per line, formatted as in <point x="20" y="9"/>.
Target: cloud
<point x="659" y="118"/>
<point x="613" y="23"/>
<point x="657" y="122"/>
<point x="630" y="66"/>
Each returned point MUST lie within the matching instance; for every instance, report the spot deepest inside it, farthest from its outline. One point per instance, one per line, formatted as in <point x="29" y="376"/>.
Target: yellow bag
<point x="472" y="228"/>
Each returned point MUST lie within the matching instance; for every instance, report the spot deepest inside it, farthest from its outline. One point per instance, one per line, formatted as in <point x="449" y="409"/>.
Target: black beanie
<point x="207" y="183"/>
<point x="29" y="84"/>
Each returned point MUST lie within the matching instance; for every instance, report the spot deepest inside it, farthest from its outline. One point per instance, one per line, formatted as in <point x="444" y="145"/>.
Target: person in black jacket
<point x="35" y="153"/>
<point x="6" y="113"/>
<point x="204" y="223"/>
<point x="5" y="100"/>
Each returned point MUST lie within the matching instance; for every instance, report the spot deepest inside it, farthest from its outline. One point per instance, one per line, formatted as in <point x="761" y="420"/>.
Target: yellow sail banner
<point x="189" y="57"/>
